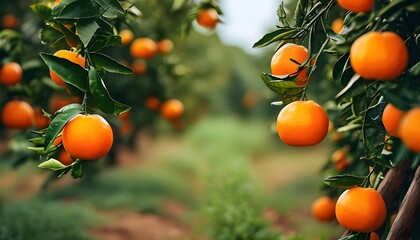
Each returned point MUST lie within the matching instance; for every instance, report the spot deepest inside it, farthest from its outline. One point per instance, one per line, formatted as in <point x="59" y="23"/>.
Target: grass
<point x="40" y="220"/>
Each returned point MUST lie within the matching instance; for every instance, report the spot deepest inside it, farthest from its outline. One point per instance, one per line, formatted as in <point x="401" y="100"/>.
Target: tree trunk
<point x="408" y="213"/>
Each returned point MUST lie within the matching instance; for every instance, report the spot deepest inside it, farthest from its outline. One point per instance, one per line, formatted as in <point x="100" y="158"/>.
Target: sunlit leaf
<point x="52" y="164"/>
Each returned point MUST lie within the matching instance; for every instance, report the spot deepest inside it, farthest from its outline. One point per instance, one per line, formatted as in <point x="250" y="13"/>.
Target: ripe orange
<point x="41" y="121"/>
<point x="18" y="114"/>
<point x="165" y="46"/>
<point x="340" y="159"/>
<point x="127" y="36"/>
<point x="10" y="73"/>
<point x="356" y="5"/>
<point x="391" y="118"/>
<point x="59" y="101"/>
<point x="87" y="137"/>
<point x="124" y="115"/>
<point x="10" y="21"/>
<point x="139" y="67"/>
<point x="379" y="56"/>
<point x="65" y="158"/>
<point x="152" y="103"/>
<point x="323" y="209"/>
<point x="143" y="48"/>
<point x="337" y="25"/>
<point x="57" y="140"/>
<point x="374" y="236"/>
<point x="361" y="209"/>
<point x="72" y="57"/>
<point x="126" y="128"/>
<point x="302" y="123"/>
<point x="409" y="130"/>
<point x="172" y="109"/>
<point x="281" y="63"/>
<point x="208" y="18"/>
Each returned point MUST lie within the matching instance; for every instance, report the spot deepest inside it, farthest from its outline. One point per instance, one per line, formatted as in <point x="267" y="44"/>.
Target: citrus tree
<point x="370" y="55"/>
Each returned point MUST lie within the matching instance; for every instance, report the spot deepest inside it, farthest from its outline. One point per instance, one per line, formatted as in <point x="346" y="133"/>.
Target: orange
<point x="361" y="209"/>
<point x="391" y="118"/>
<point x="10" y="73"/>
<point x="409" y="130"/>
<point x="337" y="25"/>
<point x="143" y="48"/>
<point x="72" y="57"/>
<point x="323" y="209"/>
<point x="340" y="159"/>
<point x="41" y="121"/>
<point x="87" y="137"/>
<point x="281" y="63"/>
<point x="126" y="128"/>
<point x="57" y="140"/>
<point x="374" y="236"/>
<point x="65" y="158"/>
<point x="124" y="115"/>
<point x="356" y="5"/>
<point x="302" y="123"/>
<point x="126" y="36"/>
<point x="208" y="18"/>
<point x="165" y="46"/>
<point x="172" y="109"/>
<point x="139" y="67"/>
<point x="58" y="101"/>
<point x="379" y="56"/>
<point x="152" y="103"/>
<point x="57" y="2"/>
<point x="10" y="21"/>
<point x="18" y="114"/>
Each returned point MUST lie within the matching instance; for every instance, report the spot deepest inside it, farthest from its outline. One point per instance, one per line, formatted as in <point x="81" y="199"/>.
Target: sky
<point x="246" y="21"/>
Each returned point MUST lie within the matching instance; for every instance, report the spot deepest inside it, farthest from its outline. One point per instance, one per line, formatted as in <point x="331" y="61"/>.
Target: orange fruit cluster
<point x="404" y="125"/>
<point x="302" y="123"/>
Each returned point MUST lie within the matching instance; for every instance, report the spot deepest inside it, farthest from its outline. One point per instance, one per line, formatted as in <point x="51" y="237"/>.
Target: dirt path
<point x="141" y="227"/>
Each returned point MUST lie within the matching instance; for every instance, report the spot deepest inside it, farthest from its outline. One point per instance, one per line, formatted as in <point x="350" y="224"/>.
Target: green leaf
<point x="52" y="164"/>
<point x="300" y="12"/>
<point x="101" y="95"/>
<point x="107" y="42"/>
<point x="59" y="8"/>
<point x="57" y="124"/>
<point x="71" y="38"/>
<point x="77" y="169"/>
<point x="42" y="10"/>
<point x="70" y="72"/>
<point x="86" y="29"/>
<point x="80" y="10"/>
<point x="344" y="181"/>
<point x="178" y="4"/>
<point x="415" y="70"/>
<point x="357" y="236"/>
<point x="274" y="36"/>
<point x="354" y="87"/>
<point x="398" y="98"/>
<point x="339" y="66"/>
<point x="287" y="90"/>
<point x="111" y="4"/>
<point x="67" y="108"/>
<point x="102" y="61"/>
